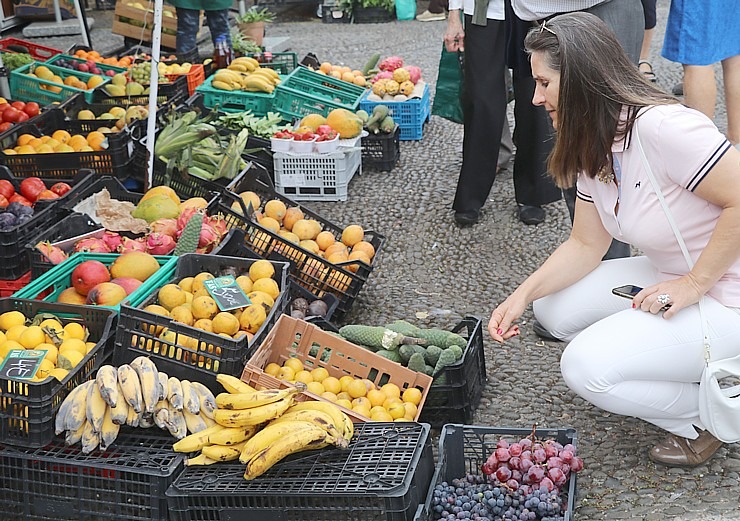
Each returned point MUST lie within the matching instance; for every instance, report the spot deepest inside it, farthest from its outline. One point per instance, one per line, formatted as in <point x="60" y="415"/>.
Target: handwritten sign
<point x="22" y="364"/>
<point x="227" y="293"/>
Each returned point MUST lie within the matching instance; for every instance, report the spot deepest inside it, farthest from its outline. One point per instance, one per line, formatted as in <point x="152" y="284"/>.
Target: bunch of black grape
<point x="532" y="466"/>
<point x="478" y="498"/>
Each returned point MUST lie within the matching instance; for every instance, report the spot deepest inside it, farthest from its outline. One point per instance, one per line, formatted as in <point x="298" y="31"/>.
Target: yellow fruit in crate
<point x="15" y="332"/>
<point x="198" y="281"/>
<point x="74" y="330"/>
<point x="412" y="395"/>
<point x="261" y="298"/>
<point x="8" y="346"/>
<point x="94" y="81"/>
<point x="391" y="390"/>
<point x="194" y="202"/>
<point x="343" y="402"/>
<point x="261" y="269"/>
<point x="344" y="381"/>
<point x="186" y="284"/>
<point x="316" y="388"/>
<point x="303" y="376"/>
<point x="90" y="346"/>
<point x="352" y="234"/>
<point x="202" y="292"/>
<point x="390" y="402"/>
<point x="51" y="352"/>
<point x="182" y="314"/>
<point x="376" y="397"/>
<point x="43" y="72"/>
<point x="245" y="283"/>
<point x="285" y="373"/>
<point x="381" y="416"/>
<point x="344" y="395"/>
<point x="225" y="322"/>
<point x="45" y="367"/>
<point x="357" y="388"/>
<point x="411" y="410"/>
<point x="61" y="136"/>
<point x="319" y="374"/>
<point x="252" y="318"/>
<point x="294" y="363"/>
<point x="69" y="359"/>
<point x="31" y="337"/>
<point x="362" y="401"/>
<point x="204" y="324"/>
<point x="161" y="190"/>
<point x="327" y="395"/>
<point x="362" y="411"/>
<point x="397" y="410"/>
<point x="2" y="337"/>
<point x="332" y="384"/>
<point x="270" y="224"/>
<point x="59" y="373"/>
<point x="203" y="307"/>
<point x="325" y="239"/>
<point x="170" y="296"/>
<point x="275" y="209"/>
<point x="251" y="198"/>
<point x="73" y="344"/>
<point x="272" y="369"/>
<point x="269" y="286"/>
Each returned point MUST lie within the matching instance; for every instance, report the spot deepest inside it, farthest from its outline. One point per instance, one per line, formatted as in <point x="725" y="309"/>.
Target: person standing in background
<point x="646" y="68"/>
<point x="698" y="35"/>
<point x="188" y="22"/>
<point x="435" y="12"/>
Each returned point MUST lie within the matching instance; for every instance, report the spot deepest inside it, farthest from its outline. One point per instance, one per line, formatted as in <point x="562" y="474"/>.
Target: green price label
<point x="227" y="293"/>
<point x="22" y="364"/>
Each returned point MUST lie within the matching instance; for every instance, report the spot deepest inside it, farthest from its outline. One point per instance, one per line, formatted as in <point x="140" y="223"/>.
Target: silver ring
<point x="664" y="299"/>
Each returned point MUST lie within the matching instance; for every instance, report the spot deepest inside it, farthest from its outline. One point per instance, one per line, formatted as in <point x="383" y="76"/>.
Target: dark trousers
<point x="437" y="6"/>
<point x="188" y="21"/>
<point x="484" y="110"/>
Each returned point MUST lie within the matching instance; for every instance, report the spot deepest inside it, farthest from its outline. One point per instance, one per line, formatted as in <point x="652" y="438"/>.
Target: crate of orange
<point x="84" y="53"/>
<point x="46" y="83"/>
<point x="366" y="386"/>
<point x="52" y="147"/>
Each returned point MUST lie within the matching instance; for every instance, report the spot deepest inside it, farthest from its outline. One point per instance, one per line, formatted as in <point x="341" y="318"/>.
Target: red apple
<point x="88" y="275"/>
<point x="127" y="283"/>
<point x="105" y="294"/>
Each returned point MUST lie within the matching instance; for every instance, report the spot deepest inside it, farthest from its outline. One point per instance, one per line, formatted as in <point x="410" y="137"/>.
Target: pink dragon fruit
<point x="53" y="254"/>
<point x="209" y="237"/>
<point x="128" y="245"/>
<point x="159" y="244"/>
<point x="391" y="63"/>
<point x="185" y="216"/>
<point x="218" y="223"/>
<point x="112" y="240"/>
<point x="414" y="73"/>
<point x="165" y="226"/>
<point x="91" y="245"/>
<point x="382" y="75"/>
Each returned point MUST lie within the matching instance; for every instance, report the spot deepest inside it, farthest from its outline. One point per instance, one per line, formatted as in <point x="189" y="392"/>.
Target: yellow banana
<point x="200" y="459"/>
<point x="231" y="435"/>
<point x="174" y="393"/>
<point x="131" y="387"/>
<point x="250" y="63"/>
<point x="191" y="401"/>
<point x="247" y="401"/>
<point x="320" y="418"/>
<point x="269" y="435"/>
<point x="149" y="378"/>
<point x="233" y="385"/>
<point x="107" y="381"/>
<point x="222" y="452"/>
<point x="163" y="384"/>
<point x="226" y="75"/>
<point x="177" y="426"/>
<point x="208" y="421"/>
<point x="300" y="440"/>
<point x="73" y="412"/>
<point x="132" y="418"/>
<point x="341" y="420"/>
<point x="261" y="83"/>
<point x="270" y="71"/>
<point x="221" y="85"/>
<point x="194" y="422"/>
<point x="146" y="421"/>
<point x="239" y="67"/>
<point x="90" y="439"/>
<point x="254" y="416"/>
<point x="96" y="408"/>
<point x="162" y="418"/>
<point x="109" y="431"/>
<point x="119" y="413"/>
<point x="263" y="72"/>
<point x="73" y="437"/>
<point x="196" y="441"/>
<point x="206" y="398"/>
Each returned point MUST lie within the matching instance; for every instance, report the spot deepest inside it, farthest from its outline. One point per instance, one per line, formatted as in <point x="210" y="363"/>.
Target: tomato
<point x="5" y="126"/>
<point x="6" y="189"/>
<point x="46" y="194"/>
<point x="19" y="105"/>
<point x="32" y="109"/>
<point x="22" y="116"/>
<point x="61" y="188"/>
<point x="3" y="201"/>
<point x="11" y="114"/>
<point x="18" y="198"/>
<point x="32" y="187"/>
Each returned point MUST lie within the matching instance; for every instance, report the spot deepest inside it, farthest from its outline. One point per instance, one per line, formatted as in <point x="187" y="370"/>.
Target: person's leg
<point x="506" y="151"/>
<point x="187" y="29"/>
<point x="649" y="10"/>
<point x="218" y="24"/>
<point x="699" y="88"/>
<point x="731" y="73"/>
<point x="627" y="20"/>
<point x="484" y="107"/>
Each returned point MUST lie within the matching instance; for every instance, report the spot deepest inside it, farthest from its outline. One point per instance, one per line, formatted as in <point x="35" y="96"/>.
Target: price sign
<point x="227" y="293"/>
<point x="22" y="364"/>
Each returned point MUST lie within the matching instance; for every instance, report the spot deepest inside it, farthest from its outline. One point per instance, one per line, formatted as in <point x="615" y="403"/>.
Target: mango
<point x="156" y="207"/>
<point x="136" y="265"/>
<point x="115" y="90"/>
<point x="161" y="190"/>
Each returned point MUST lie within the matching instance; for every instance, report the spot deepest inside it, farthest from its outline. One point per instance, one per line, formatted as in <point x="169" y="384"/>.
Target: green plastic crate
<point x="283" y="62"/>
<point x="306" y="92"/>
<point x="102" y="66"/>
<point x="28" y="88"/>
<point x="53" y="282"/>
<point x="259" y="103"/>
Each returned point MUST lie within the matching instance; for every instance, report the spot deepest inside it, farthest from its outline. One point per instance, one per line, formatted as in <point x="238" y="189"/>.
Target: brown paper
<point x="116" y="216"/>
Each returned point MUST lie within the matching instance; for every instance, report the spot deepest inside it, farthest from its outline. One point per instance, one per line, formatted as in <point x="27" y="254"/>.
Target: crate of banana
<point x="136" y="395"/>
<point x="244" y="85"/>
<point x="260" y="428"/>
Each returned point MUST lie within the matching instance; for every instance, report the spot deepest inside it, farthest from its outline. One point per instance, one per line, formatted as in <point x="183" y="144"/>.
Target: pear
<point x="134" y="89"/>
<point x="119" y="79"/>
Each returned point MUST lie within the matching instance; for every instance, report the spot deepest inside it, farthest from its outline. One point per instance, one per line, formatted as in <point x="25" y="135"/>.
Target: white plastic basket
<point x="316" y="177"/>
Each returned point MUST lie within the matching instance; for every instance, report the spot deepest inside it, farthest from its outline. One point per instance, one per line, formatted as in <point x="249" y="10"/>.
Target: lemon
<point x="198" y="281"/>
<point x="362" y="401"/>
<point x="332" y="385"/>
<point x="345" y="381"/>
<point x="73" y="344"/>
<point x="272" y="369"/>
<point x="15" y="332"/>
<point x="376" y="397"/>
<point x="357" y="389"/>
<point x="285" y="373"/>
<point x="183" y="315"/>
<point x="391" y="390"/>
<point x="8" y="346"/>
<point x="412" y="395"/>
<point x="74" y="330"/>
<point x="261" y="269"/>
<point x="295" y="364"/>
<point x="329" y="396"/>
<point x="45" y="367"/>
<point x="2" y="337"/>
<point x="31" y="337"/>
<point x="362" y="411"/>
<point x="59" y="373"/>
<point x="381" y="416"/>
<point x="186" y="284"/>
<point x="304" y="376"/>
<point x="397" y="410"/>
<point x="69" y="359"/>
<point x="171" y="295"/>
<point x="225" y="322"/>
<point x="344" y="403"/>
<point x="51" y="323"/>
<point x="316" y="388"/>
<point x="268" y="286"/>
<point x="320" y="374"/>
<point x="51" y="352"/>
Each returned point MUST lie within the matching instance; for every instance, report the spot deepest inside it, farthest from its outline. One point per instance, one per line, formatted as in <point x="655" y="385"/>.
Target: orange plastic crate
<point x="315" y="347"/>
<point x="195" y="77"/>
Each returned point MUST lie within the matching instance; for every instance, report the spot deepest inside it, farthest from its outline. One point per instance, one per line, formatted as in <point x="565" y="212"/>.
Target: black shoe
<point x="531" y="214"/>
<point x="466" y="218"/>
<point x="543" y="333"/>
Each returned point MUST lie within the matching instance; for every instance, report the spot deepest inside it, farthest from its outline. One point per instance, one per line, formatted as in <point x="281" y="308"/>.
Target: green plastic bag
<point x="405" y="9"/>
<point x="448" y="94"/>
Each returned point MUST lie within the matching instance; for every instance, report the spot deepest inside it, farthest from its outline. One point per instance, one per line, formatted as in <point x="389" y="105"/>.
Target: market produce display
<point x="89" y="66"/>
<point x="246" y="74"/>
<point x="122" y="115"/>
<point x="71" y="80"/>
<point x="95" y="56"/>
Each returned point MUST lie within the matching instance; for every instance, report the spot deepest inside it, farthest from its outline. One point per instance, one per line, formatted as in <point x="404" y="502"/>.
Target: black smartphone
<point x="627" y="291"/>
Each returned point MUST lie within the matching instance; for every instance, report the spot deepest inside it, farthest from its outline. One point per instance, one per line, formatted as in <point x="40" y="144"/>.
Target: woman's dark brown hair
<point x="597" y="81"/>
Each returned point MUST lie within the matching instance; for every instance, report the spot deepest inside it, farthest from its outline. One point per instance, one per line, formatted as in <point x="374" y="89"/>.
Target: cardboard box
<point x="41" y="9"/>
<point x="133" y="20"/>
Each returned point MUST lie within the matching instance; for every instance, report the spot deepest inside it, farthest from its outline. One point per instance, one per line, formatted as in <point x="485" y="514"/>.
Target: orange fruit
<point x="25" y="138"/>
<point x="62" y="136"/>
<point x="391" y="390"/>
<point x="357" y="388"/>
<point x="376" y="397"/>
<point x="412" y="395"/>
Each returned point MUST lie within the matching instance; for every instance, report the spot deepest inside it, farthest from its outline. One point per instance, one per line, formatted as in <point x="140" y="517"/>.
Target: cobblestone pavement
<point x="431" y="267"/>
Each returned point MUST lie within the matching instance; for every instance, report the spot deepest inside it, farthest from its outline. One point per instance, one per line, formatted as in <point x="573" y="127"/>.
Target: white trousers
<point x="630" y="362"/>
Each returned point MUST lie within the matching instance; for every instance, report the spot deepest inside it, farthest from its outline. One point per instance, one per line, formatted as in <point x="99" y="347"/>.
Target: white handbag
<point x="719" y="408"/>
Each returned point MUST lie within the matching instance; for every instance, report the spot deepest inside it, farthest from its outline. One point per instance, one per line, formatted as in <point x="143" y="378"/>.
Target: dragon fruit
<point x="128" y="245"/>
<point x="112" y="240"/>
<point x="391" y="63"/>
<point x="209" y="237"/>
<point x="414" y="73"/>
<point x="91" y="245"/>
<point x="53" y="254"/>
<point x="185" y="216"/>
<point x="218" y="223"/>
<point x="382" y="75"/>
<point x="165" y="226"/>
<point x="159" y="244"/>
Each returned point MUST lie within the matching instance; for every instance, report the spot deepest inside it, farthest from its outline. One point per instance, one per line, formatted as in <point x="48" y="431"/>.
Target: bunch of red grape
<point x="530" y="466"/>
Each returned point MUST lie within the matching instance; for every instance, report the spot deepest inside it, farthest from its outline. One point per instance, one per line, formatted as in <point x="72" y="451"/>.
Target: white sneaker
<point x="426" y="16"/>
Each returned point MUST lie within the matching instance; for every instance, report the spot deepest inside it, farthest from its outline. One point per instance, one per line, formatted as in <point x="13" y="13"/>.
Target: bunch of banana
<point x="243" y="64"/>
<point x="261" y="428"/>
<point x="259" y="79"/>
<point x="137" y="395"/>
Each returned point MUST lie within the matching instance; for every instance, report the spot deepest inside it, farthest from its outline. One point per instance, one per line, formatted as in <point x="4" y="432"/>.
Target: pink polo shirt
<point x="682" y="145"/>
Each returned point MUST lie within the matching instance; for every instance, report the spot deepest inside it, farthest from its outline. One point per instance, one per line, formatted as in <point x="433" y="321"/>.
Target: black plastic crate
<point x="456" y="401"/>
<point x="212" y="354"/>
<point x="76" y="182"/>
<point x="464" y="448"/>
<point x="70" y="226"/>
<point x="114" y="160"/>
<point x="27" y="409"/>
<point x="385" y="469"/>
<point x="57" y="482"/>
<point x="381" y="151"/>
<point x="372" y="15"/>
<point x="312" y="272"/>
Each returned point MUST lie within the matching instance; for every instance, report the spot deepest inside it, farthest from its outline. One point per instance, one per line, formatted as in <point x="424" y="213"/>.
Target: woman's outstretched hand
<point x="671" y="296"/>
<point x="501" y="327"/>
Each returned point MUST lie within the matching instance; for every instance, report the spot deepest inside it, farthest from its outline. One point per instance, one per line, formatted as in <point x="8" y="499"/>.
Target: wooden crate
<point x="136" y="23"/>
